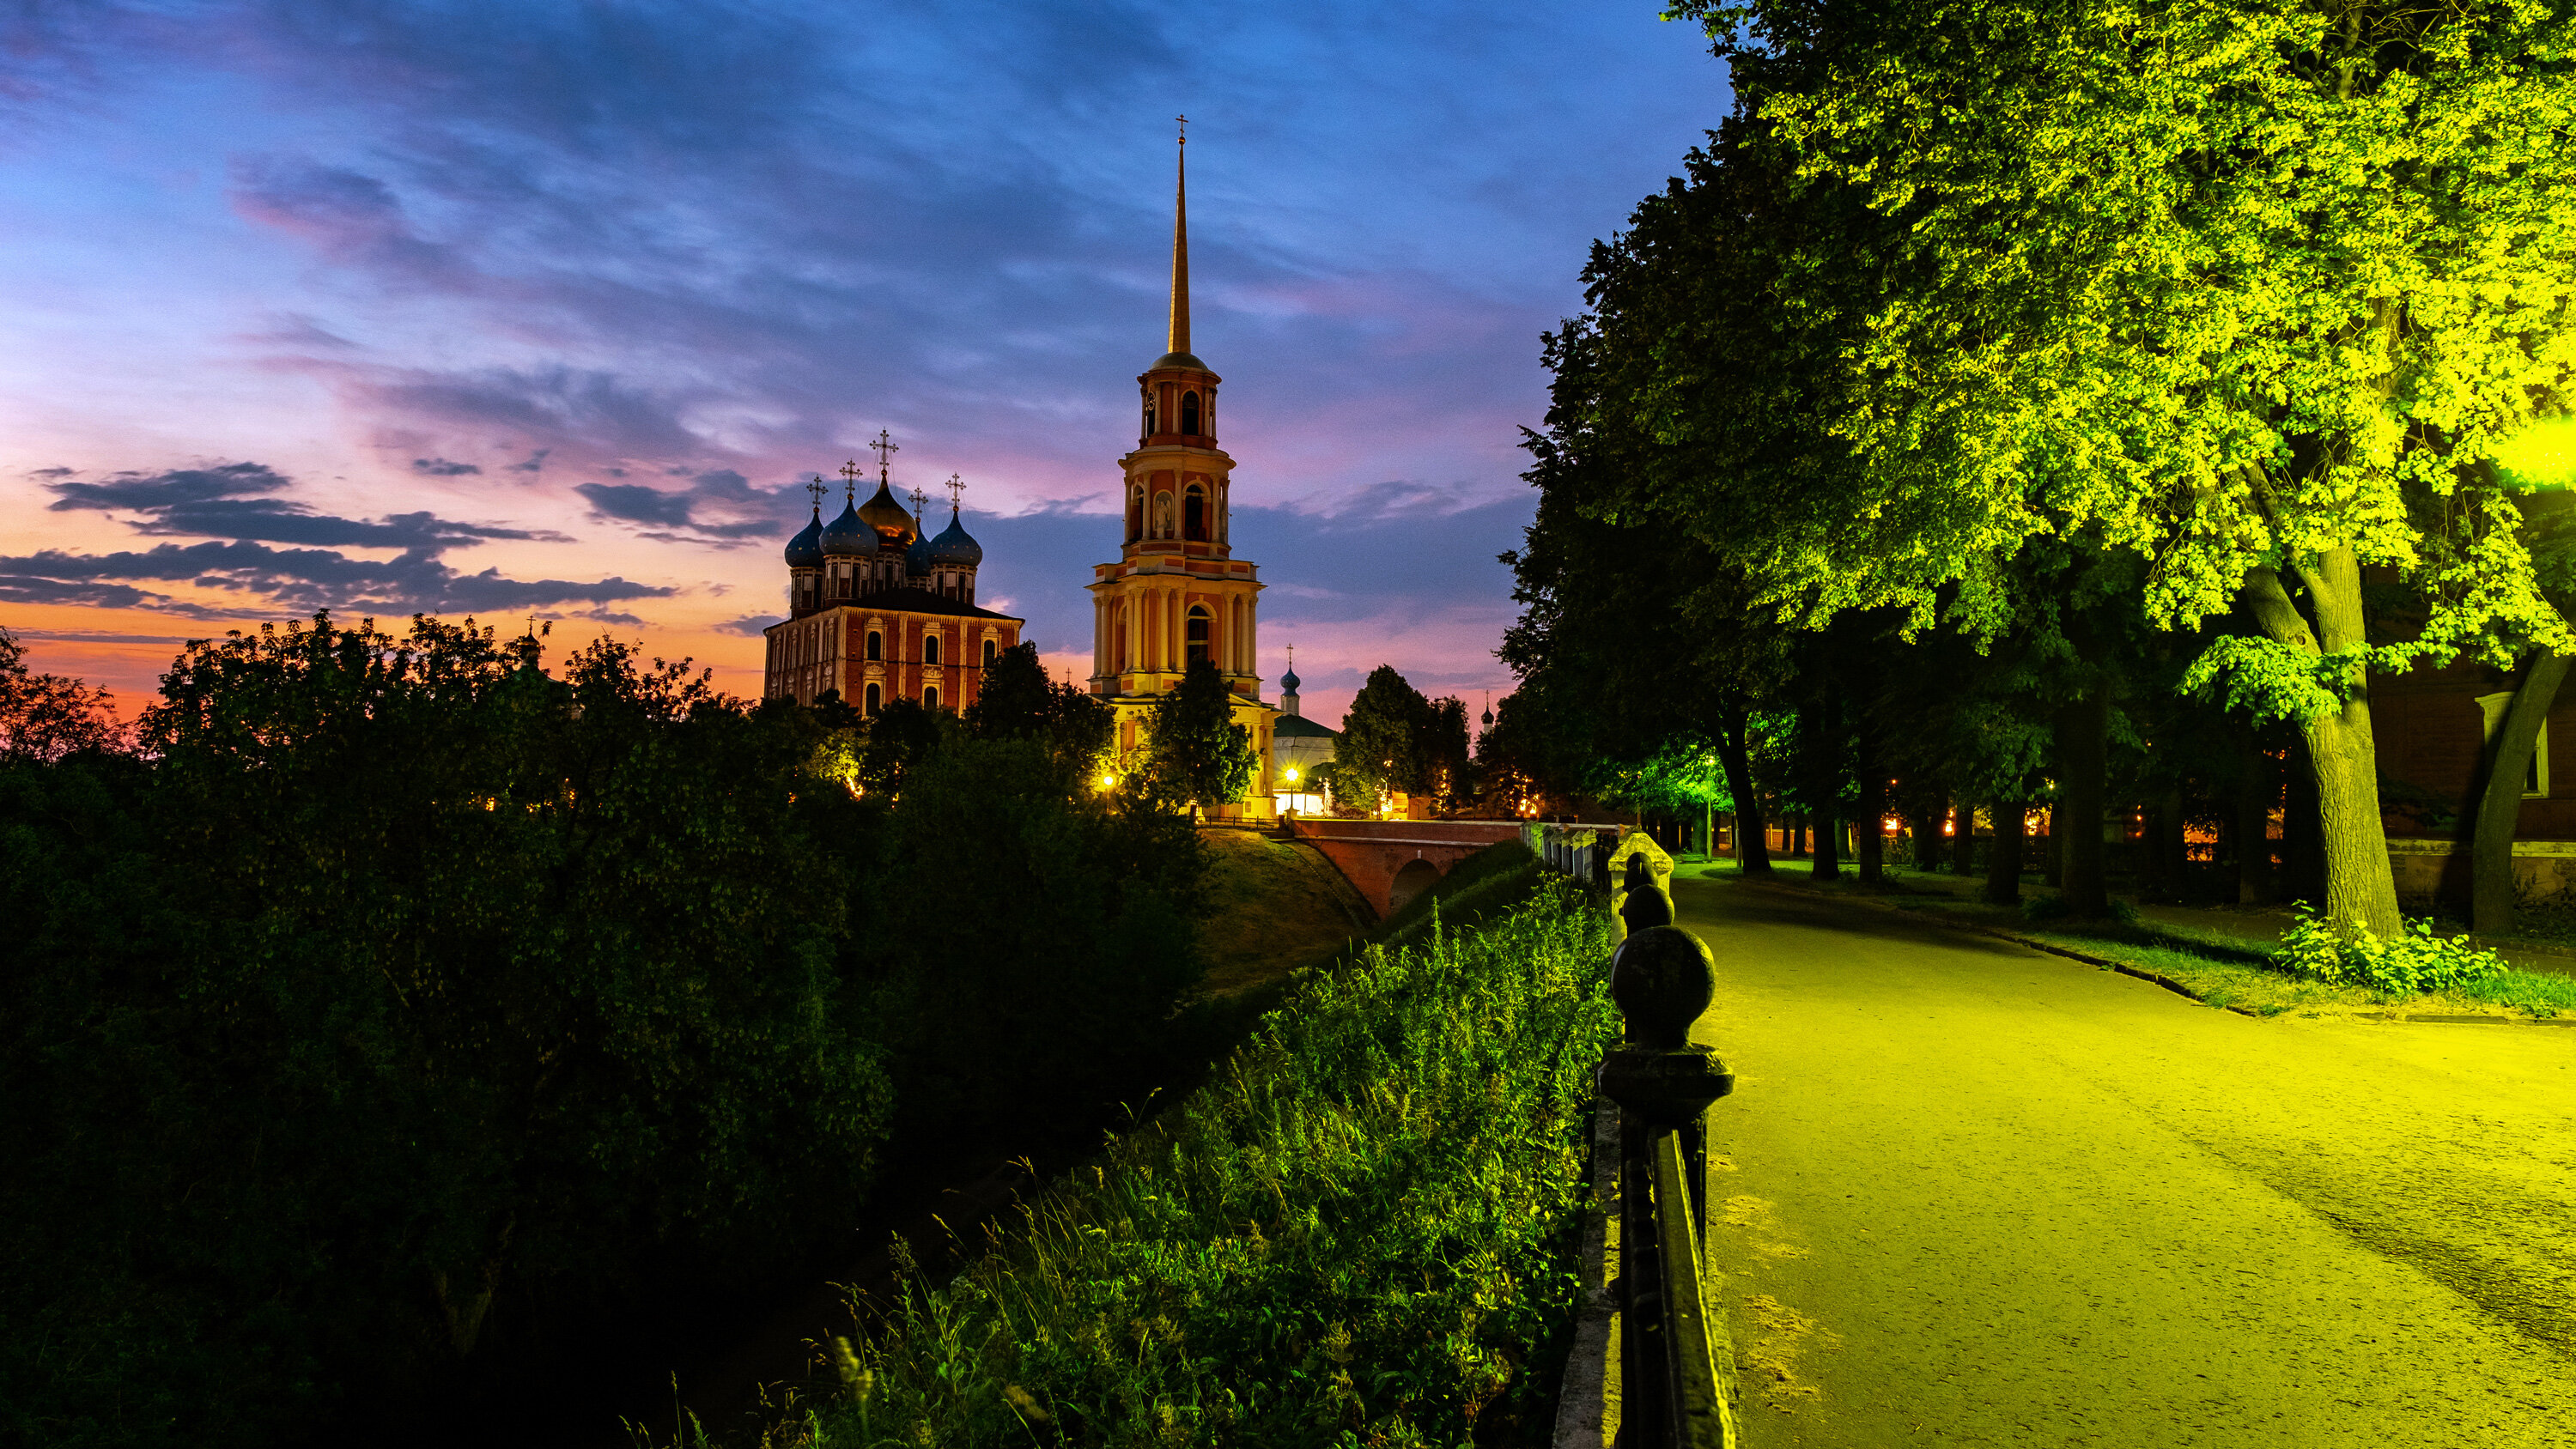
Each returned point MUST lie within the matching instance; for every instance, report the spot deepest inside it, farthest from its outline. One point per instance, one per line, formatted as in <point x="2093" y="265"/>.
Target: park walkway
<point x="1968" y="1193"/>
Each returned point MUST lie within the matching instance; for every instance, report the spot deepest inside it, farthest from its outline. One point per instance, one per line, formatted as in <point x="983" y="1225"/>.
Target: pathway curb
<point x="2140" y="972"/>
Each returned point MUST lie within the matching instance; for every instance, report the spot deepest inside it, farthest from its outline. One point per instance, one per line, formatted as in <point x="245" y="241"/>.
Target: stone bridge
<point x="1392" y="861"/>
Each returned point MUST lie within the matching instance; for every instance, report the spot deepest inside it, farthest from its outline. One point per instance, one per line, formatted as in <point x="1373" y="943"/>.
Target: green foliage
<point x="1683" y="775"/>
<point x="1360" y="1232"/>
<point x="2413" y="962"/>
<point x="403" y="993"/>
<point x="1195" y="753"/>
<point x="1019" y="702"/>
<point x="1395" y="741"/>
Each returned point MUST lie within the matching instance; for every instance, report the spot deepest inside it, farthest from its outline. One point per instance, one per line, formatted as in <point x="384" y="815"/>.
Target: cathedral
<point x="1177" y="593"/>
<point x="880" y="612"/>
<point x="878" y="609"/>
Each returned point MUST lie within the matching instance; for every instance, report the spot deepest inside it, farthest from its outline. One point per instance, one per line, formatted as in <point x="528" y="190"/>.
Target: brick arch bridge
<point x="1392" y="861"/>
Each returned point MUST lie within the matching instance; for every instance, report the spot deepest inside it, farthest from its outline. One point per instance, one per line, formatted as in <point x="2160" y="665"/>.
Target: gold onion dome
<point x="886" y="516"/>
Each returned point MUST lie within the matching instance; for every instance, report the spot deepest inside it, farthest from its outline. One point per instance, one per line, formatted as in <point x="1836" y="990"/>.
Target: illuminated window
<point x="873" y="696"/>
<point x="1189" y="414"/>
<point x="929" y="648"/>
<point x="876" y="645"/>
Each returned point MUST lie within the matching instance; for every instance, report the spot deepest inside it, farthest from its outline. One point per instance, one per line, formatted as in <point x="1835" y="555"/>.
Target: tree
<point x="1381" y="747"/>
<point x="1195" y="752"/>
<point x="46" y="716"/>
<point x="1019" y="702"/>
<point x="2254" y="293"/>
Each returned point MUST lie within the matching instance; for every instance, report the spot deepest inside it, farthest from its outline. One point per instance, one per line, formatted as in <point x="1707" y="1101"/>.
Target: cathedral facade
<point x="878" y="611"/>
<point x="1176" y="592"/>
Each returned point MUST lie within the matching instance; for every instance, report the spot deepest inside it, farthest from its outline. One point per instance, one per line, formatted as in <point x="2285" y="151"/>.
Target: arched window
<point x="991" y="648"/>
<point x="930" y="697"/>
<point x="1194" y="514"/>
<point x="1189" y="414"/>
<point x="1149" y="416"/>
<point x="929" y="648"/>
<point x="1118" y="638"/>
<point x="1199" y="622"/>
<point x="873" y="696"/>
<point x="876" y="645"/>
<point x="1135" y="514"/>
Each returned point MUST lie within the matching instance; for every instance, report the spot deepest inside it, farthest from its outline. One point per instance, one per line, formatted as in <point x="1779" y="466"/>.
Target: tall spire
<point x="1181" y="248"/>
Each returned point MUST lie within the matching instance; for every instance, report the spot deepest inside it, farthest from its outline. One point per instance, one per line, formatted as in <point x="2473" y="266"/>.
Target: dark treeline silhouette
<point x="388" y="1007"/>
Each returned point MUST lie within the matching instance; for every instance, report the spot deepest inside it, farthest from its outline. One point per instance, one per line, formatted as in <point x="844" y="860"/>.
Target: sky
<point x="517" y="310"/>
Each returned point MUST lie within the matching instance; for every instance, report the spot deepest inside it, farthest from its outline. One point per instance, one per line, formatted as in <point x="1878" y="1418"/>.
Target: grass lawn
<point x="2221" y="968"/>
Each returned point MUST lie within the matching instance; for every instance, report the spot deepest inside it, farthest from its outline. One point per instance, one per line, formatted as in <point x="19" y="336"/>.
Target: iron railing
<point x="1674" y="1391"/>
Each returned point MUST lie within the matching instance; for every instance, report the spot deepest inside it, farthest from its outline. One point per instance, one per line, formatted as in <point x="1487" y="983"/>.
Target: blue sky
<point x="521" y="308"/>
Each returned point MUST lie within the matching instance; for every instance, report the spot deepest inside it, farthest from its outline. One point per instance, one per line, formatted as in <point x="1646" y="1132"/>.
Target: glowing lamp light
<point x="1292" y="774"/>
<point x="1108" y="781"/>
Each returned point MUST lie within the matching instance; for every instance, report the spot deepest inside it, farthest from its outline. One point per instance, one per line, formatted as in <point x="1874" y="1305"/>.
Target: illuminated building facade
<point x="1177" y="593"/>
<point x="878" y="611"/>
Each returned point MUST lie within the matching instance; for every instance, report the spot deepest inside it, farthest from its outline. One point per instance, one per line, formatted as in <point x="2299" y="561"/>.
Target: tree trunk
<point x="2360" y="892"/>
<point x="2003" y="871"/>
<point x="2052" y="848"/>
<point x="2500" y="803"/>
<point x="2258" y="793"/>
<point x="1869" y="839"/>
<point x="2160" y="871"/>
<point x="2083" y="769"/>
<point x="1752" y="851"/>
<point x="1963" y="837"/>
<point x="2303" y="857"/>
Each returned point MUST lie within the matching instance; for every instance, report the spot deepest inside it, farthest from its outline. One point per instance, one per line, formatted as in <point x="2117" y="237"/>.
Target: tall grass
<point x="1359" y="1232"/>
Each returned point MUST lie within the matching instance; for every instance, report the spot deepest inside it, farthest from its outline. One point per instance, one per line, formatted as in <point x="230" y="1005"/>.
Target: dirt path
<point x="1979" y="1195"/>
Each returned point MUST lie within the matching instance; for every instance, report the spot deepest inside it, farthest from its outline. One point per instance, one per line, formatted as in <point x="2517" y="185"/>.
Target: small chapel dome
<point x="1289" y="681"/>
<point x="805" y="550"/>
<point x="954" y="547"/>
<point x="917" y="559"/>
<point x="849" y="534"/>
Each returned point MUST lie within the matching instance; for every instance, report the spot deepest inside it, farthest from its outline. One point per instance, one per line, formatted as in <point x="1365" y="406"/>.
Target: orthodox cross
<point x="1185" y="128"/>
<point x="886" y="448"/>
<point x="956" y="493"/>
<point x="920" y="501"/>
<point x="849" y="479"/>
<point x="816" y="490"/>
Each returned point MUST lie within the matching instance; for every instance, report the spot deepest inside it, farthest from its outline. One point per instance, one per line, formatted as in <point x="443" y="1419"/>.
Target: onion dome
<point x="916" y="559"/>
<point x="1289" y="681"/>
<point x="888" y="517"/>
<point x="954" y="547"/>
<point x="805" y="550"/>
<point x="849" y="533"/>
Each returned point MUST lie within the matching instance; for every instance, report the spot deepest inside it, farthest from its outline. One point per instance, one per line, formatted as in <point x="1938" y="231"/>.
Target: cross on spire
<point x="849" y="479"/>
<point x="886" y="448"/>
<point x="956" y="493"/>
<point x="817" y="489"/>
<point x="920" y="501"/>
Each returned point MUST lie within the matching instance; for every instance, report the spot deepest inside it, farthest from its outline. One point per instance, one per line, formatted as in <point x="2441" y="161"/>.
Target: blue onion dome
<point x="1289" y="681"/>
<point x="917" y="559"/>
<point x="849" y="534"/>
<point x="955" y="547"/>
<point x="805" y="550"/>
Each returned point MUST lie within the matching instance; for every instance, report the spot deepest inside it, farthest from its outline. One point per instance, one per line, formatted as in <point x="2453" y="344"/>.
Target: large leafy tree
<point x="2254" y="292"/>
<point x="1019" y="702"/>
<point x="47" y="716"/>
<point x="1195" y="752"/>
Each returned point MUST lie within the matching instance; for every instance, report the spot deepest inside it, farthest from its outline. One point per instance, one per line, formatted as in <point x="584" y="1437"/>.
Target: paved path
<point x="1974" y="1194"/>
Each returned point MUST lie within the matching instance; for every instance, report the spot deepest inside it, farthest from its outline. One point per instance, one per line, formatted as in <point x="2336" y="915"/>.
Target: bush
<point x="2414" y="961"/>
<point x="1360" y="1231"/>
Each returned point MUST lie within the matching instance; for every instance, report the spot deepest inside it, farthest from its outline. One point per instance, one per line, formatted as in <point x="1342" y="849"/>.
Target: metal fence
<point x="1673" y="1388"/>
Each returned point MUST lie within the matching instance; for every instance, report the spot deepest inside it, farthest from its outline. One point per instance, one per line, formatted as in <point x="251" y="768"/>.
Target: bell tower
<point x="1177" y="592"/>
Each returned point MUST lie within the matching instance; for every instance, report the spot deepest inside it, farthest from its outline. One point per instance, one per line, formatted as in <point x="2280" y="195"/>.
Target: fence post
<point x="1671" y="1396"/>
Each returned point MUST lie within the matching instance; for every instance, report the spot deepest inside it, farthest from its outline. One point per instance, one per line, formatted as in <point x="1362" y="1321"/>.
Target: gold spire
<point x="1181" y="248"/>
